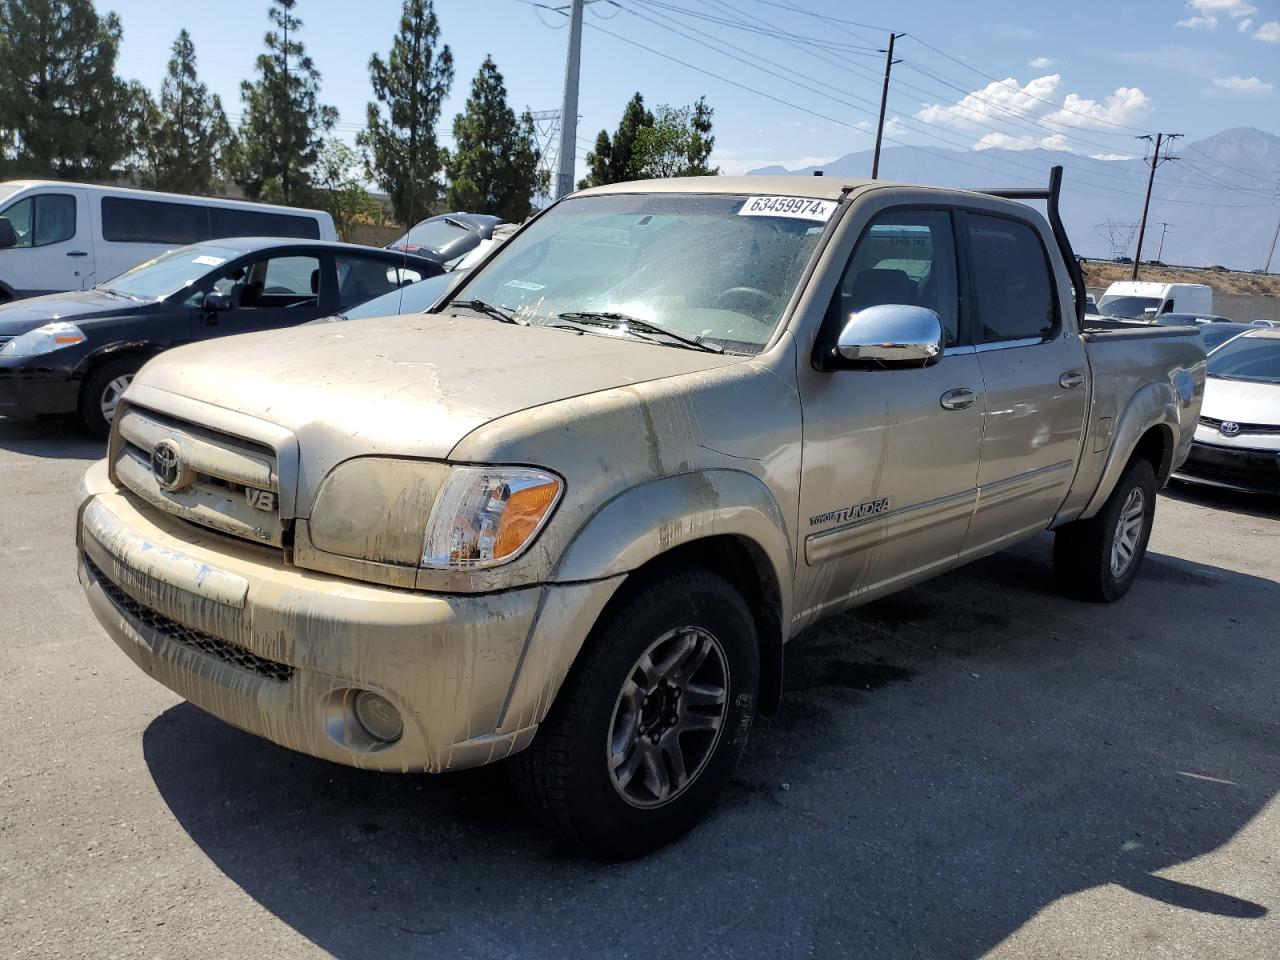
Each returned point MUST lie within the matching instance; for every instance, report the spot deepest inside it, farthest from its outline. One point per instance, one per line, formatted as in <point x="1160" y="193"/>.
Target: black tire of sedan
<point x="1098" y="559"/>
<point x="101" y="393"/>
<point x="651" y="720"/>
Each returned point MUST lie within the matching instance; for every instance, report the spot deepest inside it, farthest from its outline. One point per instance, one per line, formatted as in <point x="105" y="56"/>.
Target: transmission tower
<point x="1118" y="235"/>
<point x="546" y="130"/>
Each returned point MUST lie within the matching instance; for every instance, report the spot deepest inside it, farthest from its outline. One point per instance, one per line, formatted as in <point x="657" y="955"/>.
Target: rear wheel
<point x="1098" y="558"/>
<point x="651" y="720"/>
<point x="100" y="395"/>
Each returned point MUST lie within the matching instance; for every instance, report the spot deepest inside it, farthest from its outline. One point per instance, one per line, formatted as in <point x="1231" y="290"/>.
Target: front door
<point x="54" y="250"/>
<point x="1035" y="376"/>
<point x="271" y="292"/>
<point x="890" y="461"/>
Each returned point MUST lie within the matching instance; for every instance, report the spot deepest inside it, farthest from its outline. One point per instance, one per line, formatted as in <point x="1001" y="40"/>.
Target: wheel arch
<point x="1149" y="428"/>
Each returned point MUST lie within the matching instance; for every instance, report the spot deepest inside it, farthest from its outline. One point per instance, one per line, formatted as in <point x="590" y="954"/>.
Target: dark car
<point x="1188" y="319"/>
<point x="448" y="237"/>
<point x="77" y="352"/>
<point x="416" y="297"/>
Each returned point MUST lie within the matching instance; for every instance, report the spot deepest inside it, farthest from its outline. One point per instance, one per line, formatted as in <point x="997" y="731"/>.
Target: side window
<point x="236" y="222"/>
<point x="1012" y="285"/>
<point x="43" y="219"/>
<point x="130" y="220"/>
<point x="360" y="279"/>
<point x="905" y="256"/>
<point x="278" y="282"/>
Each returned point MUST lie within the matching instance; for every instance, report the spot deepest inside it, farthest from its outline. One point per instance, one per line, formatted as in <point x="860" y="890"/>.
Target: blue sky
<point x="1085" y="75"/>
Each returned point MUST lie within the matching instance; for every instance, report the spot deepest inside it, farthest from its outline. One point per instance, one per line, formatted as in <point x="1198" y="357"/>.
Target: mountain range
<point x="1219" y="198"/>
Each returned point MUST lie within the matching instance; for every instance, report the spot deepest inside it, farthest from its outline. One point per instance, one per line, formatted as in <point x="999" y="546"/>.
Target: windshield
<point x="412" y="298"/>
<point x="169" y="272"/>
<point x="1128" y="308"/>
<point x="1248" y="358"/>
<point x="433" y="235"/>
<point x="1216" y="334"/>
<point x="719" y="268"/>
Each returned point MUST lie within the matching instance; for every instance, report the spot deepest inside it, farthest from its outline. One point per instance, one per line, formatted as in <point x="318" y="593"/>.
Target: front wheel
<point x="1098" y="558"/>
<point x="100" y="395"/>
<point x="651" y="720"/>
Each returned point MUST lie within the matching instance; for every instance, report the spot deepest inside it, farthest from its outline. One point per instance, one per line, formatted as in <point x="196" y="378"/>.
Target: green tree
<point x="678" y="144"/>
<point x="337" y="185"/>
<point x="411" y="84"/>
<point x="189" y="142"/>
<point x="61" y="102"/>
<point x="494" y="165"/>
<point x="284" y="122"/>
<point x="613" y="160"/>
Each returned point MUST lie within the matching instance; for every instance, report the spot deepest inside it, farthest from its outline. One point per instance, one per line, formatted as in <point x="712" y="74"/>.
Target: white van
<point x="1146" y="300"/>
<point x="57" y="236"/>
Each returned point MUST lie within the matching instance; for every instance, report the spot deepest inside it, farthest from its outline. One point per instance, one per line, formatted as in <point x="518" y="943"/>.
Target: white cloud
<point x="1235" y="9"/>
<point x="893" y="127"/>
<point x="1244" y="25"/>
<point x="1110" y="156"/>
<point x="1243" y="84"/>
<point x="1198" y="23"/>
<point x="994" y="101"/>
<point x="1041" y="63"/>
<point x="1124" y="107"/>
<point x="1269" y="32"/>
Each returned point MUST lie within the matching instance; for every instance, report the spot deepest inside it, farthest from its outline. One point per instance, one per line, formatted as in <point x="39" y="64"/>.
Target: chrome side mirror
<point x="893" y="334"/>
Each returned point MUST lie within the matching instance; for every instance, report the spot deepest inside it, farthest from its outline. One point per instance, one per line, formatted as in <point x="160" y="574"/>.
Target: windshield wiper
<point x="501" y="314"/>
<point x="622" y="321"/>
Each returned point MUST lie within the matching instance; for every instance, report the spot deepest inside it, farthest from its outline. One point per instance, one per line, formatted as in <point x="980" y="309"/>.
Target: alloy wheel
<point x="1124" y="546"/>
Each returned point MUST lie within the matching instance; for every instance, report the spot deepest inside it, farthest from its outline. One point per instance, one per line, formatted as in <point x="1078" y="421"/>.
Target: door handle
<point x="1072" y="378"/>
<point x="958" y="399"/>
<point x="78" y="253"/>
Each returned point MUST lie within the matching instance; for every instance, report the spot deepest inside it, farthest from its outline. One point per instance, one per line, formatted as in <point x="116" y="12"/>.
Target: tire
<point x="603" y="720"/>
<point x="1098" y="559"/>
<point x="101" y="392"/>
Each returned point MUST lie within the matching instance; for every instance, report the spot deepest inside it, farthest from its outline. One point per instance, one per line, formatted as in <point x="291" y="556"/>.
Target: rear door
<point x="359" y="279"/>
<point x="54" y="250"/>
<point x="1034" y="372"/>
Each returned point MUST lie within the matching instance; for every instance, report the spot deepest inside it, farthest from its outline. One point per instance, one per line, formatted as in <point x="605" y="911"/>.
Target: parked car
<point x="1264" y="322"/>
<point x="574" y="515"/>
<point x="57" y="236"/>
<point x="1146" y="300"/>
<point x="1237" y="442"/>
<point x="1214" y="335"/>
<point x="448" y="237"/>
<point x="1189" y="319"/>
<point x="78" y="351"/>
<point x="417" y="297"/>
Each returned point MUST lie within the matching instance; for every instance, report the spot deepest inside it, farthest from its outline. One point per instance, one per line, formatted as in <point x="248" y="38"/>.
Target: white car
<point x="1237" y="442"/>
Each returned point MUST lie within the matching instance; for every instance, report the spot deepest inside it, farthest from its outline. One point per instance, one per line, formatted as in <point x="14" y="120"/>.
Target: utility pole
<point x="569" y="106"/>
<point x="1164" y="228"/>
<point x="1266" y="267"/>
<point x="1156" y="160"/>
<point x="884" y="100"/>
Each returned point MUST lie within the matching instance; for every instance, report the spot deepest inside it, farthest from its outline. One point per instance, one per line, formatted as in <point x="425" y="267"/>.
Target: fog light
<point x="378" y="716"/>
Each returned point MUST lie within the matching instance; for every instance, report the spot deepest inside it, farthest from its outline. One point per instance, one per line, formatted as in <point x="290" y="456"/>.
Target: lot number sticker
<point x="796" y="208"/>
<point x="207" y="261"/>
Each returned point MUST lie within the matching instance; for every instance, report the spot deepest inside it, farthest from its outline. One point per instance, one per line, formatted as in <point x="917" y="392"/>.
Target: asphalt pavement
<point x="975" y="767"/>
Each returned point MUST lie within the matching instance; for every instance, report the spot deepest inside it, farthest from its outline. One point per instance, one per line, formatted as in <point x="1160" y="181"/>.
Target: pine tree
<point x="494" y="165"/>
<point x="189" y="140"/>
<point x="61" y="102"/>
<point x="411" y="84"/>
<point x="612" y="161"/>
<point x="284" y="122"/>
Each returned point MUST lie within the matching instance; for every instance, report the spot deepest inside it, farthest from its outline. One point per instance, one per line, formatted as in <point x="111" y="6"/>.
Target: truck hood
<point x="1242" y="401"/>
<point x="407" y="385"/>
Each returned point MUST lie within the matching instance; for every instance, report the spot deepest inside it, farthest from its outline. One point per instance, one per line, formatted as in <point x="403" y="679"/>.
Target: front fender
<point x="1155" y="404"/>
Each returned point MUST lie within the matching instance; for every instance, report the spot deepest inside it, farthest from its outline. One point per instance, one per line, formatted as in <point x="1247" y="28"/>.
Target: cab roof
<point x="819" y="188"/>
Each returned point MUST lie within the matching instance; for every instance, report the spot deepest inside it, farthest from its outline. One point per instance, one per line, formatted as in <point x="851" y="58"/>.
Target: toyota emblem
<point x="1228" y="428"/>
<point x="166" y="465"/>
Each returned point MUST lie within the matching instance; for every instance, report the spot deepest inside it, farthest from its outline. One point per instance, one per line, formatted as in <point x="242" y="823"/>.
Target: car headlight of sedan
<point x="415" y="512"/>
<point x="486" y="516"/>
<point x="46" y="339"/>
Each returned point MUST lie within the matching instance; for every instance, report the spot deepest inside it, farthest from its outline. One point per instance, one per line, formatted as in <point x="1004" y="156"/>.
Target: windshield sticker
<point x="207" y="261"/>
<point x="796" y="208"/>
<point x="525" y="285"/>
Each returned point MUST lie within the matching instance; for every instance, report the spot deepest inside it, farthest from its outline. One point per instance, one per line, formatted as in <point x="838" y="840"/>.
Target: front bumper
<point x="281" y="652"/>
<point x="1233" y="468"/>
<point x="30" y="392"/>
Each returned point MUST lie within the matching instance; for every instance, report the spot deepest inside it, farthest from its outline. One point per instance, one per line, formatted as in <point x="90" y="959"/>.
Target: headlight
<point x="46" y="339"/>
<point x="484" y="516"/>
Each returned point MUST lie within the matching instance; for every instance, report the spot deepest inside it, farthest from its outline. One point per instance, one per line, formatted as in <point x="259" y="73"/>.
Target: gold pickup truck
<point x="572" y="516"/>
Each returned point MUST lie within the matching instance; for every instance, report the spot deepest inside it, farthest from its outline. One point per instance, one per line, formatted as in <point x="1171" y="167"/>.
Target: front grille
<point x="1256" y="469"/>
<point x="1262" y="428"/>
<point x="218" y="481"/>
<point x="197" y="639"/>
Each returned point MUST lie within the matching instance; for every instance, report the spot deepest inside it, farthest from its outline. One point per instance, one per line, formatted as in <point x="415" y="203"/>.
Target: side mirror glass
<point x="215" y="302"/>
<point x="8" y="235"/>
<point x="893" y="334"/>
